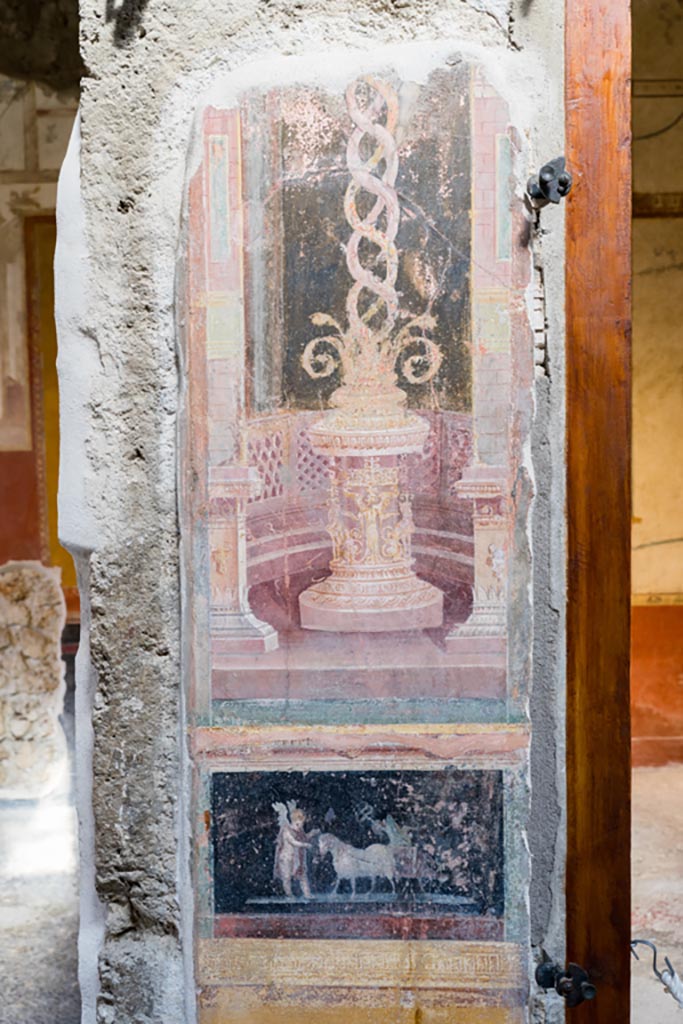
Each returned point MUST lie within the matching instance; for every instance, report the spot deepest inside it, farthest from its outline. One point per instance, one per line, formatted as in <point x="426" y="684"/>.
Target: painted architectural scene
<point x="354" y="302"/>
<point x="358" y="854"/>
<point x="359" y="370"/>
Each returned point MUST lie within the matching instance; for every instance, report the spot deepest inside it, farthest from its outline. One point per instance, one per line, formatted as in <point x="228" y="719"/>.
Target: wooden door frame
<point x="598" y="310"/>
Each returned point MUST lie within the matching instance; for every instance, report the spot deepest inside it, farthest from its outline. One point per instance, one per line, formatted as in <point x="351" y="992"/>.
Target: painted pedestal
<point x="234" y="627"/>
<point x="485" y="629"/>
<point x="372" y="586"/>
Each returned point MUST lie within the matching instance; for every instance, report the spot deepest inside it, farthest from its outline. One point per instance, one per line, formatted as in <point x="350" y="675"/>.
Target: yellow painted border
<point x="656" y="599"/>
<point x="362" y="964"/>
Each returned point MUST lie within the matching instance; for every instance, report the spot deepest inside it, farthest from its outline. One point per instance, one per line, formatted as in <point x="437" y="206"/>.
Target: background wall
<point x="657" y="584"/>
<point x="38" y="99"/>
<point x="35" y="124"/>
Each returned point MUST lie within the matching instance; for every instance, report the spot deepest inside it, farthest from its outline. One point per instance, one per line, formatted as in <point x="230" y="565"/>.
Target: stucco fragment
<point x="32" y="742"/>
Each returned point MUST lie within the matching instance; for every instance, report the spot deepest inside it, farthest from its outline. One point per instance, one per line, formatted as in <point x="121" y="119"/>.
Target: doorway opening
<point x="657" y="553"/>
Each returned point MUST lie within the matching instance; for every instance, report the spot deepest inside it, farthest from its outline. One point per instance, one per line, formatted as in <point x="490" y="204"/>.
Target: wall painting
<point x="358" y="394"/>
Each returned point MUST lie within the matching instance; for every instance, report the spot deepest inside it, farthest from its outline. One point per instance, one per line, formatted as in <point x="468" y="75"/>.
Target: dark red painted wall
<point x="19" y="507"/>
<point x="657" y="683"/>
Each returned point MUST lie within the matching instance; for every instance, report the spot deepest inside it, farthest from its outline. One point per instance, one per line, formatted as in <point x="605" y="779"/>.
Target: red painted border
<point x="359" y="926"/>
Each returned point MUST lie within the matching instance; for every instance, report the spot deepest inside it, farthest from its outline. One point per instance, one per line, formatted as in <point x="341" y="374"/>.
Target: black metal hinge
<point x="552" y="183"/>
<point x="572" y="982"/>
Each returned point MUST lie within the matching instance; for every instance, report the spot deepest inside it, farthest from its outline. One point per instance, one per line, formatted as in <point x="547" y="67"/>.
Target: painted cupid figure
<point x="290" y="849"/>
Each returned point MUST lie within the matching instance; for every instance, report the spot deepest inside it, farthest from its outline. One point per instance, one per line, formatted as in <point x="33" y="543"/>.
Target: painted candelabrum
<point x="368" y="428"/>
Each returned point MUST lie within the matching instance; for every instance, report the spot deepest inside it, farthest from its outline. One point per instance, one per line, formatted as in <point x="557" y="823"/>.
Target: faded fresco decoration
<point x="404" y="853"/>
<point x="357" y="313"/>
<point x="359" y="368"/>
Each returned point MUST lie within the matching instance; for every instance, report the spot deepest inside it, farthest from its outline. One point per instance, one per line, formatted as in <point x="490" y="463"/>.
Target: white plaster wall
<point x="120" y="216"/>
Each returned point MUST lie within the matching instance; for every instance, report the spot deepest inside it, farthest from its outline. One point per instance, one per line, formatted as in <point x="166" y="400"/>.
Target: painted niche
<point x="354" y="299"/>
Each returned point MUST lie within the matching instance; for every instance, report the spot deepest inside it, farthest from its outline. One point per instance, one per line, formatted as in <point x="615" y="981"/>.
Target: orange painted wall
<point x="41" y="238"/>
<point x="29" y="479"/>
<point x="657" y="683"/>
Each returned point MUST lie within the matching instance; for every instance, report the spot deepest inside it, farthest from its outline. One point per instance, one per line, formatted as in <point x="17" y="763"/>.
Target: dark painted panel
<point x="423" y="844"/>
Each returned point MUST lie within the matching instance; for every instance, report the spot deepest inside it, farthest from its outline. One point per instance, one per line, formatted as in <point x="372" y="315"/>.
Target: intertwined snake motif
<point x="368" y="351"/>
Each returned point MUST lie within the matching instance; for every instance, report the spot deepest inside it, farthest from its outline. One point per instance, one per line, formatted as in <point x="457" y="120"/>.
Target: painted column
<point x="486" y="480"/>
<point x="234" y="628"/>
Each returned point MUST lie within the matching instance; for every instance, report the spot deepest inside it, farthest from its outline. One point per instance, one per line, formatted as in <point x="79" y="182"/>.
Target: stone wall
<point x="122" y="380"/>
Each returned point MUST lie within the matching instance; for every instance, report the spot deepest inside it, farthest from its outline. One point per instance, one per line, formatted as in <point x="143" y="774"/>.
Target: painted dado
<point x="359" y="369"/>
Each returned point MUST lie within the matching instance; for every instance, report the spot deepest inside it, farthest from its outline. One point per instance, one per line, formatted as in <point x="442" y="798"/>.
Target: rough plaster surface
<point x="32" y="742"/>
<point x="120" y="379"/>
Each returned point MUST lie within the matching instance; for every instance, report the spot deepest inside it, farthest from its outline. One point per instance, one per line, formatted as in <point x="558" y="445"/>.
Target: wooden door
<point x="599" y="500"/>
